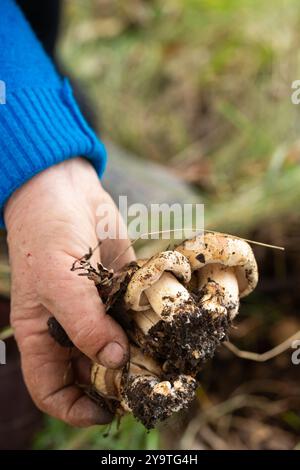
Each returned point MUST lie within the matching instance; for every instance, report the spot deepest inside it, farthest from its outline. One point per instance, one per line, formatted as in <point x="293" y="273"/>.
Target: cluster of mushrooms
<point x="176" y="307"/>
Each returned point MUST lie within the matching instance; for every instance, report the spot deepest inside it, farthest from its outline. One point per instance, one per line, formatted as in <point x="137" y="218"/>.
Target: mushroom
<point x="140" y="388"/>
<point x="225" y="268"/>
<point x="163" y="310"/>
<point x="156" y="285"/>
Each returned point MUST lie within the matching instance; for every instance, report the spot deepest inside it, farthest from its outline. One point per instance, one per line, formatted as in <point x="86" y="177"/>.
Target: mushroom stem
<point x="165" y="330"/>
<point x="218" y="290"/>
<point x="167" y="296"/>
<point x="168" y="299"/>
<point x="142" y="389"/>
<point x="150" y="273"/>
<point x="145" y="320"/>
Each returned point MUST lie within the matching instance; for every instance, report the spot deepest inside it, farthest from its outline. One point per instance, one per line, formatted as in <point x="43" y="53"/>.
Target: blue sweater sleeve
<point x="40" y="122"/>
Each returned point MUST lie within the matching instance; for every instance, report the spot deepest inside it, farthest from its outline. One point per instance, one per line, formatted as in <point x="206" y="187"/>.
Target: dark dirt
<point x="201" y="258"/>
<point x="114" y="302"/>
<point x="58" y="333"/>
<point x="150" y="408"/>
<point x="173" y="343"/>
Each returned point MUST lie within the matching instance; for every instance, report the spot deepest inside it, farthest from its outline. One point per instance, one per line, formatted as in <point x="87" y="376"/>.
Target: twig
<point x="6" y="333"/>
<point x="212" y="439"/>
<point x="214" y="413"/>
<point x="234" y="403"/>
<point x="160" y="232"/>
<point x="266" y="356"/>
<point x="267" y="245"/>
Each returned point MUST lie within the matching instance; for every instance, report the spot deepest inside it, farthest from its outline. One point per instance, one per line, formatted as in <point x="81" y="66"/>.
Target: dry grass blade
<point x="253" y="242"/>
<point x="214" y="413"/>
<point x="228" y="407"/>
<point x="6" y="333"/>
<point x="266" y="356"/>
<point x="4" y="278"/>
<point x="193" y="230"/>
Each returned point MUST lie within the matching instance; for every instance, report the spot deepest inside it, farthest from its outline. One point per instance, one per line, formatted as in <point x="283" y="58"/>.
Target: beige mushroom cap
<point x="106" y="381"/>
<point x="224" y="249"/>
<point x="151" y="272"/>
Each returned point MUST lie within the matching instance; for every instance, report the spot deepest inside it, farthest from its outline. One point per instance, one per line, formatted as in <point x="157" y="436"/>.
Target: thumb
<point x="75" y="303"/>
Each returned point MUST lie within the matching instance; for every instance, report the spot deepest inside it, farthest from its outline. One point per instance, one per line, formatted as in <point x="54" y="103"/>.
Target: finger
<point x="76" y="304"/>
<point x="46" y="369"/>
<point x="116" y="249"/>
<point x="116" y="253"/>
<point x="82" y="366"/>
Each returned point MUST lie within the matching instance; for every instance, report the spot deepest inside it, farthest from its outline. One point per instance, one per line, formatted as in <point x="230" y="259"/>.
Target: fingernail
<point x="112" y="355"/>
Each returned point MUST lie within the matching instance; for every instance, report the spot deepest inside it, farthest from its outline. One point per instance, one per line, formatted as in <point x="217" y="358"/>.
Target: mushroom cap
<point x="106" y="381"/>
<point x="224" y="249"/>
<point x="142" y="364"/>
<point x="150" y="272"/>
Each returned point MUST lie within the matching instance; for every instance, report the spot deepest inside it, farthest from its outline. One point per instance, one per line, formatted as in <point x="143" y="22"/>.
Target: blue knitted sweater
<point x="40" y="122"/>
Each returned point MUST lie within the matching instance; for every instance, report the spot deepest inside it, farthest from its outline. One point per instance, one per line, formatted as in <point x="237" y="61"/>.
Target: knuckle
<point x="68" y="417"/>
<point x="86" y="336"/>
<point x="40" y="401"/>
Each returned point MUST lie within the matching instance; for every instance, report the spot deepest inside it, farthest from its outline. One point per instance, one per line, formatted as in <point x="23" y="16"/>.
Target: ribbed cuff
<point x="40" y="128"/>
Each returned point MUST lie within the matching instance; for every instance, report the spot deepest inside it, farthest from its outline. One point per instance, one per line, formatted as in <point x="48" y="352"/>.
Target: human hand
<point x="51" y="221"/>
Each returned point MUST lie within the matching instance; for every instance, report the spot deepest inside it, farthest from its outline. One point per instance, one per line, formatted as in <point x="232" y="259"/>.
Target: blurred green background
<point x="203" y="87"/>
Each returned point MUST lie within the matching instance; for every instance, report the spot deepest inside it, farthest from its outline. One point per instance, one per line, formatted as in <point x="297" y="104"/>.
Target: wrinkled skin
<point x="50" y="222"/>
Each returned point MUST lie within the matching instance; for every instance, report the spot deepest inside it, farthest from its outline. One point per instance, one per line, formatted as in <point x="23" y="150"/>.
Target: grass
<point x="129" y="435"/>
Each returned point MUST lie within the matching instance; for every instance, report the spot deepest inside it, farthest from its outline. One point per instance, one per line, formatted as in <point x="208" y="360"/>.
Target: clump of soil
<point x="58" y="333"/>
<point x="149" y="406"/>
<point x="187" y="342"/>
